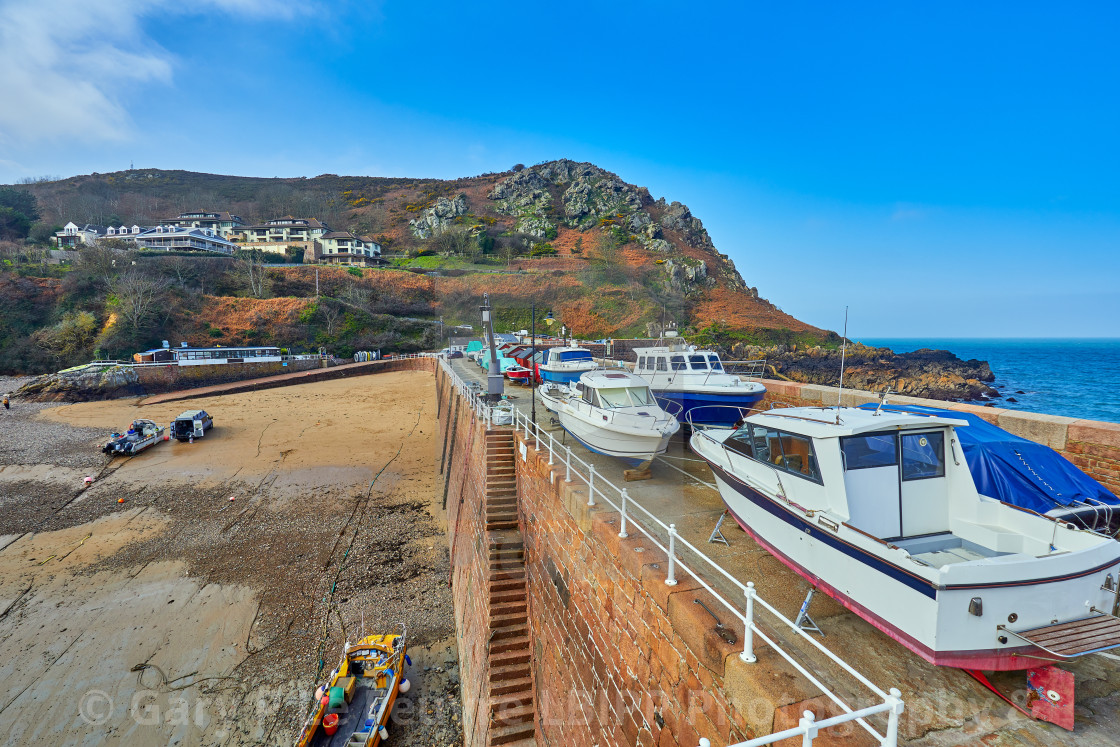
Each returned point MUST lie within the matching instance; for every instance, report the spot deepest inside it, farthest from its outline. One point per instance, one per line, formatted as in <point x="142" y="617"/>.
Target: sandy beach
<point x="149" y="608"/>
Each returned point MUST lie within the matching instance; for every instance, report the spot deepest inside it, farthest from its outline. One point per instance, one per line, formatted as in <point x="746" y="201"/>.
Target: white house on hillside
<point x="346" y="248"/>
<point x="72" y="234"/>
<point x="188" y="239"/>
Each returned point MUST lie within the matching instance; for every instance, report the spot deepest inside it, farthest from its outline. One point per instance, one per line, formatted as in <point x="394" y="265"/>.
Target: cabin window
<point x="798" y="456"/>
<point x="865" y="452"/>
<point x="714" y="360"/>
<point x="698" y="362"/>
<point x="678" y="362"/>
<point x="923" y="455"/>
<point x="660" y="363"/>
<point x="740" y="442"/>
<point x="767" y="444"/>
<point x="640" y="395"/>
<point x="642" y="362"/>
<point x="614" y="397"/>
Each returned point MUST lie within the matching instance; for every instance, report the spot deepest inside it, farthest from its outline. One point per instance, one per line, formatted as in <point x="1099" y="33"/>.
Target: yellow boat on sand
<point x="352" y="709"/>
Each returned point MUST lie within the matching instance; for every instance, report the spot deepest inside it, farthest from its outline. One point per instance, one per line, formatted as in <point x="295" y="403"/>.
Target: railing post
<point x="897" y="706"/>
<point x="551" y="448"/>
<point x="705" y="742"/>
<point x="622" y="530"/>
<point x="748" y="634"/>
<point x="568" y="465"/>
<point x="526" y="427"/>
<point x="806" y="723"/>
<point x="591" y="485"/>
<point x="672" y="579"/>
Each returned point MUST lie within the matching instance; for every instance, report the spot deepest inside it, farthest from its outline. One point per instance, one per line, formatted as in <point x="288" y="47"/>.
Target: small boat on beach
<point x="141" y="435"/>
<point x="565" y="365"/>
<point x="518" y="374"/>
<point x="879" y="510"/>
<point x="352" y="708"/>
<point x="697" y="380"/>
<point x="612" y="413"/>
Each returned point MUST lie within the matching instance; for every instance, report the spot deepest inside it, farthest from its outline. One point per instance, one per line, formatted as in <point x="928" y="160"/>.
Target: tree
<point x="138" y="296"/>
<point x="331" y="314"/>
<point x="21" y="201"/>
<point x="253" y="265"/>
<point x="13" y="224"/>
<point x="71" y="338"/>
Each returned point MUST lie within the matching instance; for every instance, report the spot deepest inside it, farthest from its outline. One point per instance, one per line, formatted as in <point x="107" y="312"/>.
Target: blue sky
<point x="944" y="171"/>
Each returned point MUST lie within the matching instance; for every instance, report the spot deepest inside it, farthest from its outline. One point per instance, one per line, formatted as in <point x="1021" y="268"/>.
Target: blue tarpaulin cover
<point x="1015" y="470"/>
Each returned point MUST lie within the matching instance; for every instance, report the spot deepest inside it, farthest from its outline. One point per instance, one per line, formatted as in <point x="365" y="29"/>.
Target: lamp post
<point x="533" y="365"/>
<point x="494" y="382"/>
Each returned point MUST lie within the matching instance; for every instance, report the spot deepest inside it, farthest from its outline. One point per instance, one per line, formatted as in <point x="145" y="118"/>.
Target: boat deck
<point x="352" y="719"/>
<point x="1077" y="638"/>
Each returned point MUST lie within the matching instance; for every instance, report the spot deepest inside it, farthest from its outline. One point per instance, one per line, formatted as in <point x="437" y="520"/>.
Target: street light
<point x="494" y="382"/>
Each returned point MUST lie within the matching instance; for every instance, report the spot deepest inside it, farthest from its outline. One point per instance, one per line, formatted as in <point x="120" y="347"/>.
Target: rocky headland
<point x="934" y="374"/>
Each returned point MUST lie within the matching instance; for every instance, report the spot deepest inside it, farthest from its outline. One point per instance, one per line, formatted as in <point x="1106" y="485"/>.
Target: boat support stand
<point x="717" y="533"/>
<point x="803" y="620"/>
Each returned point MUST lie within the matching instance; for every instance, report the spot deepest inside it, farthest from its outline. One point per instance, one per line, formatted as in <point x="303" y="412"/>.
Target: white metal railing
<point x="634" y="515"/>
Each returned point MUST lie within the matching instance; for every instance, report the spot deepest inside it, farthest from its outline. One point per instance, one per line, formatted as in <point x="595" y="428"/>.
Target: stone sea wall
<point x="463" y="478"/>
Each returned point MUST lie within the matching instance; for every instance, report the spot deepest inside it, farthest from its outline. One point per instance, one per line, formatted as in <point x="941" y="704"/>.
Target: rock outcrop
<point x="438" y="218"/>
<point x="583" y="196"/>
<point x="83" y="384"/>
<point x="935" y="374"/>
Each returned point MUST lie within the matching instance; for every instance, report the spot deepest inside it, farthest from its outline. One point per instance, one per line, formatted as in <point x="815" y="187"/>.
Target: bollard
<point x="622" y="530"/>
<point x="568" y="465"/>
<point x="591" y="485"/>
<point x="672" y="579"/>
<point x="748" y="634"/>
<point x="806" y="723"/>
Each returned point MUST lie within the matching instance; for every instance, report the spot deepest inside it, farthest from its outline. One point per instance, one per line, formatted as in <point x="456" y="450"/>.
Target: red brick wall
<point x="619" y="657"/>
<point x="464" y="479"/>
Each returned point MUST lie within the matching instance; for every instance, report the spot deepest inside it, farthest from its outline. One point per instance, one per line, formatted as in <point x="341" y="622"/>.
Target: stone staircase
<point x="512" y="709"/>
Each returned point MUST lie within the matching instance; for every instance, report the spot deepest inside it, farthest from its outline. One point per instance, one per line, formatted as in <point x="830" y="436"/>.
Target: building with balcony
<point x="73" y="235"/>
<point x="287" y="230"/>
<point x="224" y="224"/>
<point x="175" y="238"/>
<point x="347" y="248"/>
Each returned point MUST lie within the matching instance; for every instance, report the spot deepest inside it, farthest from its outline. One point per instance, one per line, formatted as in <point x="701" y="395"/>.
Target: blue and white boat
<point x="697" y="382"/>
<point x="564" y="365"/>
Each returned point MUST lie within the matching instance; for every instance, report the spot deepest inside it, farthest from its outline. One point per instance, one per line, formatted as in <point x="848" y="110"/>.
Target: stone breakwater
<point x="933" y="374"/>
<point x="93" y="383"/>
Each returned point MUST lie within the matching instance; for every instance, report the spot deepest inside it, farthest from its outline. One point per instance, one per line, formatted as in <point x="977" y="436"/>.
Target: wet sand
<point x="180" y="617"/>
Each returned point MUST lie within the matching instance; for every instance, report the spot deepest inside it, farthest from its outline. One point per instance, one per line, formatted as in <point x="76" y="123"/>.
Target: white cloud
<point x="62" y="63"/>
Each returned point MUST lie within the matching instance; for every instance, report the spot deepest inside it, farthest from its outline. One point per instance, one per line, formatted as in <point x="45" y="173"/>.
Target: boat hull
<point x="637" y="451"/>
<point x="711" y="409"/>
<point x="565" y="376"/>
<point x="901" y="604"/>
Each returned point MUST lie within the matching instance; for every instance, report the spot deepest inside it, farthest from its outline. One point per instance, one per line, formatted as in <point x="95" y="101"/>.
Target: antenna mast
<point x="843" y="354"/>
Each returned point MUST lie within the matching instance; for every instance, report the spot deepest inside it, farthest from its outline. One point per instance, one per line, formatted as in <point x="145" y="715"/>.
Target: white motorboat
<point x="612" y="413"/>
<point x="699" y="383"/>
<point x="565" y="365"/>
<point x="879" y="510"/>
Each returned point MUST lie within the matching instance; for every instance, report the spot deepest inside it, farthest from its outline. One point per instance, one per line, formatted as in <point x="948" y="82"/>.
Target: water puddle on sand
<point x="70" y="637"/>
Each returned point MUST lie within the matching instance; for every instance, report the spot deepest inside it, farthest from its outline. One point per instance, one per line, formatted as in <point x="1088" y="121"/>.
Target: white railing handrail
<point x="891" y="704"/>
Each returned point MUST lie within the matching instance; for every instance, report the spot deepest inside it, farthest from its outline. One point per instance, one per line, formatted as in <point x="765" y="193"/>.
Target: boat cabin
<point x="655" y="360"/>
<point x="614" y="389"/>
<point x="887" y="473"/>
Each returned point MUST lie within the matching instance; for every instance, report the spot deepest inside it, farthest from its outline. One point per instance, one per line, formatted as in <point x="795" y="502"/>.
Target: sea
<point x="1078" y="378"/>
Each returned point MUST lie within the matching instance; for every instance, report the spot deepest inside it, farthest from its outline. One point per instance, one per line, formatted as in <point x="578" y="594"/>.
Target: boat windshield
<point x="698" y="362"/>
<point x="625" y="396"/>
<point x="716" y="365"/>
<point x="575" y="355"/>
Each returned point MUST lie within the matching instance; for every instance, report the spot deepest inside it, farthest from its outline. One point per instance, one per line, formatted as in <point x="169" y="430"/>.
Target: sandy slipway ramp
<point x="223" y="602"/>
